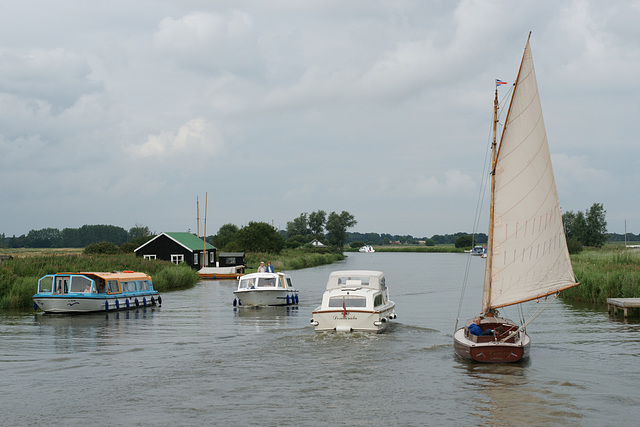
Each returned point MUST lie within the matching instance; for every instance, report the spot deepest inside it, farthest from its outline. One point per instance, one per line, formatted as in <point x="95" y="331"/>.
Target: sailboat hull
<point x="490" y="349"/>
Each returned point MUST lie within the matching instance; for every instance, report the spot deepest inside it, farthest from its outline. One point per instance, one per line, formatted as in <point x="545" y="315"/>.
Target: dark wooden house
<point x="179" y="247"/>
<point x="231" y="259"/>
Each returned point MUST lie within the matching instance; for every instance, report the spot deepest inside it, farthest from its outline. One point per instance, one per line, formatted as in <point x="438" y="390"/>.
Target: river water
<point x="199" y="360"/>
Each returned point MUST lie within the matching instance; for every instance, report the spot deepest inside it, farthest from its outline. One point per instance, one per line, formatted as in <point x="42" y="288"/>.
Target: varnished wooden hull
<point x="491" y="350"/>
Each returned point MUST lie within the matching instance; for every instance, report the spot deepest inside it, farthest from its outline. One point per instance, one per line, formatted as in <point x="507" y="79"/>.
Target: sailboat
<point x="527" y="255"/>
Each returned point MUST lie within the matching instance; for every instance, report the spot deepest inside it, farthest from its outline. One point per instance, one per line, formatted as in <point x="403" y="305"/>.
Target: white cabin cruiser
<point x="366" y="249"/>
<point x="258" y="289"/>
<point x="355" y="300"/>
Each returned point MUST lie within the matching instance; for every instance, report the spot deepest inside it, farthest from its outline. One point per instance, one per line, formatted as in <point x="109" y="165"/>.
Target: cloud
<point x="209" y="42"/>
<point x="197" y="141"/>
<point x="58" y="77"/>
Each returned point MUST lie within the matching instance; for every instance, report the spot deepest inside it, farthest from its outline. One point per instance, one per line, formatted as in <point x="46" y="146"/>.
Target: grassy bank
<point x="19" y="276"/>
<point x="605" y="273"/>
<point x="292" y="259"/>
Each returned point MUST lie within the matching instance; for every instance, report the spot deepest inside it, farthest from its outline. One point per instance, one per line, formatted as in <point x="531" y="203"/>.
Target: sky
<point x="126" y="112"/>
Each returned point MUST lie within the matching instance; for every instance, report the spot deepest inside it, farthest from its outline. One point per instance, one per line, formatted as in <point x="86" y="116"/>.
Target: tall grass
<point x="19" y="276"/>
<point x="609" y="273"/>
<point x="293" y="259"/>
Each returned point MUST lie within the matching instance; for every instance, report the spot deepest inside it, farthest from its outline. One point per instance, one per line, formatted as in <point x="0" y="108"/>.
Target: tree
<point x="337" y="227"/>
<point x="588" y="228"/>
<point x="260" y="237"/>
<point x="316" y="222"/>
<point x="574" y="225"/>
<point x="139" y="232"/>
<point x="44" y="238"/>
<point x="596" y="226"/>
<point x="465" y="241"/>
<point x="298" y="227"/>
<point x="226" y="234"/>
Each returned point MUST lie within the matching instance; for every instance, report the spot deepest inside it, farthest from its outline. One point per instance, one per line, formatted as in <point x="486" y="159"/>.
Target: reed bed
<point x="608" y="273"/>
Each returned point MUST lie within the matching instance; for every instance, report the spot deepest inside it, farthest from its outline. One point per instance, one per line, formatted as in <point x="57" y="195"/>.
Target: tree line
<point x="76" y="237"/>
<point x="582" y="229"/>
<point x="331" y="229"/>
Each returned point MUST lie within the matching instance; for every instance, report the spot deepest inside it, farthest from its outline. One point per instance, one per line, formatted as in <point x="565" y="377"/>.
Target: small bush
<point x="173" y="278"/>
<point x="101" y="248"/>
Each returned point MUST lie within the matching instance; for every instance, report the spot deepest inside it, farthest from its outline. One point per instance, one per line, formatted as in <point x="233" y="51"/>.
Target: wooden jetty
<point x="622" y="303"/>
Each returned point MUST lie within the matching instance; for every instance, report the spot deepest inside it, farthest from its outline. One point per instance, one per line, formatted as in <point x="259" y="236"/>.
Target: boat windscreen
<point x="353" y="281"/>
<point x="45" y="284"/>
<point x="350" y="301"/>
<point x="267" y="282"/>
<point x="246" y="284"/>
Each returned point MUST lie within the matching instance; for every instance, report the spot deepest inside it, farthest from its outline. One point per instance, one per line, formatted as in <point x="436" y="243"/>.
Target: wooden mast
<point x="486" y="297"/>
<point x="204" y="235"/>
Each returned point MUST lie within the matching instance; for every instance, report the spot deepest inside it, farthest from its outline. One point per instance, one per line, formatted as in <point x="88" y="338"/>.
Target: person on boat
<point x="87" y="288"/>
<point x="269" y="267"/>
<point x="262" y="268"/>
<point x="475" y="329"/>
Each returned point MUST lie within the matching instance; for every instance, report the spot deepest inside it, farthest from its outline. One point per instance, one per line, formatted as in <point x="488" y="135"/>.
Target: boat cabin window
<point x="246" y="283"/>
<point x="113" y="287"/>
<point x="128" y="286"/>
<point x="377" y="300"/>
<point x="353" y="281"/>
<point x="268" y="282"/>
<point x="80" y="284"/>
<point x="143" y="285"/>
<point x="289" y="284"/>
<point x="45" y="284"/>
<point x="349" y="301"/>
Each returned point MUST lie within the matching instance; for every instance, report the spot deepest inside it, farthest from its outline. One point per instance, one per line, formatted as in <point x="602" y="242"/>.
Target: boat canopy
<point x="356" y="279"/>
<point x="90" y="282"/>
<point x="264" y="280"/>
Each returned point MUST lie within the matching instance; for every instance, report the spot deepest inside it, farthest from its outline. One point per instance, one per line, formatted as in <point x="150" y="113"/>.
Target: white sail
<point x="528" y="253"/>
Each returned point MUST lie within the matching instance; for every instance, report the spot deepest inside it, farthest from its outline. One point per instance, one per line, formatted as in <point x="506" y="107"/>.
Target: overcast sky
<point x="123" y="112"/>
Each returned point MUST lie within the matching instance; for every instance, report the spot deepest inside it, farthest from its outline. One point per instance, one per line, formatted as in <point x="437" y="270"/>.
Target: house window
<point x="177" y="259"/>
<point x="149" y="256"/>
<point x="212" y="258"/>
<point x="195" y="258"/>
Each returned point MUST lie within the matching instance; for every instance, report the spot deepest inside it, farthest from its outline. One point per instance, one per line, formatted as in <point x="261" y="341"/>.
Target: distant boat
<point x="477" y="250"/>
<point x="354" y="300"/>
<point x="221" y="273"/>
<point x="527" y="256"/>
<point x="366" y="248"/>
<point x="94" y="291"/>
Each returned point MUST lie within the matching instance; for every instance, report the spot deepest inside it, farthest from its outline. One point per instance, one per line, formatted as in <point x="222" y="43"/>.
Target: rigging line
<point x="479" y="206"/>
<point x="534" y="317"/>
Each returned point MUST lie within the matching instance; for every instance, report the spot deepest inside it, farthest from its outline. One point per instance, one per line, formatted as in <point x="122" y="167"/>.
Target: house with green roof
<point x="179" y="247"/>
